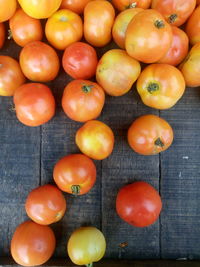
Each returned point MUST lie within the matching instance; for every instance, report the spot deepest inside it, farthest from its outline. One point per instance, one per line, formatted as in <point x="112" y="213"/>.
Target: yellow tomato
<point x="7" y="9"/>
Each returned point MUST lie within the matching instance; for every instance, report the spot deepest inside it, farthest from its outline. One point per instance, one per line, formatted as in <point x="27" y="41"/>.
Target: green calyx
<point x="172" y="18"/>
<point x="89" y="265"/>
<point x="159" y="24"/>
<point x="87" y="88"/>
<point x="152" y="87"/>
<point x="75" y="189"/>
<point x="159" y="142"/>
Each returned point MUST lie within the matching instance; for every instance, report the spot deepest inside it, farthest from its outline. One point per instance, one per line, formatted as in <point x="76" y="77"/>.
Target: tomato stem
<point x="87" y="88"/>
<point x="89" y="265"/>
<point x="132" y="5"/>
<point x="159" y="142"/>
<point x="172" y="18"/>
<point x="152" y="87"/>
<point x="159" y="24"/>
<point x="9" y="34"/>
<point x="75" y="189"/>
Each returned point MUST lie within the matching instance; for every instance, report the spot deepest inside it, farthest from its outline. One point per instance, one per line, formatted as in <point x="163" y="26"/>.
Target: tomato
<point x="83" y="100"/>
<point x="45" y="204"/>
<point x="178" y="49"/>
<point x="95" y="139"/>
<point x="121" y="24"/>
<point x="160" y="86"/>
<point x="98" y="21"/>
<point x="176" y="12"/>
<point x="86" y="245"/>
<point x="80" y="60"/>
<point x="63" y="28"/>
<point x="11" y="76"/>
<point x="148" y="36"/>
<point x="7" y="10"/>
<point x="2" y="35"/>
<point x="75" y="174"/>
<point x="76" y="6"/>
<point x="39" y="62"/>
<point x="34" y="104"/>
<point x="128" y="4"/>
<point x="117" y="71"/>
<point x="40" y="9"/>
<point x="138" y="204"/>
<point x="150" y="135"/>
<point x="198" y="2"/>
<point x="193" y="27"/>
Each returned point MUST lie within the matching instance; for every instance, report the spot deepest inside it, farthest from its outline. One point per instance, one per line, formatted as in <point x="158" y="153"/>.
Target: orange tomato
<point x="7" y="10"/>
<point x="148" y="36"/>
<point x="127" y="4"/>
<point x="2" y="35"/>
<point x="76" y="6"/>
<point x="63" y="28"/>
<point x="117" y="71"/>
<point x="193" y="27"/>
<point x="198" y="2"/>
<point x="98" y="21"/>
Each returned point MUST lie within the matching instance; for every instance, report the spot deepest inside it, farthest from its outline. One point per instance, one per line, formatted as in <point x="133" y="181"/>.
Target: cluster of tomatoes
<point x="146" y="31"/>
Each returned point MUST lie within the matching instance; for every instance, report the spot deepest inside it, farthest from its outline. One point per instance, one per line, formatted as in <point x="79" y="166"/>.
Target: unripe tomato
<point x="193" y="27"/>
<point x="7" y="9"/>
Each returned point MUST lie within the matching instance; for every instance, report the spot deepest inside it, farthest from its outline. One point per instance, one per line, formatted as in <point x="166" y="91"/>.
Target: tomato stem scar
<point x="172" y="18"/>
<point x="75" y="189"/>
<point x="64" y="19"/>
<point x="132" y="5"/>
<point x="159" y="24"/>
<point x="159" y="142"/>
<point x="152" y="87"/>
<point x="87" y="88"/>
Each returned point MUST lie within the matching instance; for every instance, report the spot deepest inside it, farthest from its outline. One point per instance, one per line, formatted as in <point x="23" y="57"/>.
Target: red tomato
<point x="32" y="244"/>
<point x="83" y="100"/>
<point x="76" y="6"/>
<point x="39" y="62"/>
<point x="193" y="27"/>
<point x="75" y="174"/>
<point x="2" y="35"/>
<point x="11" y="76"/>
<point x="45" y="204"/>
<point x="127" y="4"/>
<point x="80" y="60"/>
<point x="7" y="10"/>
<point x="24" y="28"/>
<point x="34" y="104"/>
<point x="138" y="204"/>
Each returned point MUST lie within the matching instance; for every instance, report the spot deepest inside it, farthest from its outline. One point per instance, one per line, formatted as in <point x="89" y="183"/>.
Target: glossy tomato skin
<point x="11" y="76"/>
<point x="76" y="6"/>
<point x="75" y="174"/>
<point x="81" y="246"/>
<point x="115" y="79"/>
<point x="98" y="21"/>
<point x="32" y="244"/>
<point x="34" y="104"/>
<point x="155" y="33"/>
<point x="160" y="86"/>
<point x="95" y="139"/>
<point x="45" y="204"/>
<point x="7" y="9"/>
<point x="150" y="135"/>
<point x="39" y="62"/>
<point x="193" y="27"/>
<point x="83" y="100"/>
<point x="2" y="35"/>
<point x="176" y="12"/>
<point x="129" y="4"/>
<point x="138" y="204"/>
<point x="80" y="60"/>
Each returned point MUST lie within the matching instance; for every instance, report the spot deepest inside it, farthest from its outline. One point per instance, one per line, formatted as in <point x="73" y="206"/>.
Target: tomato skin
<point x="32" y="244"/>
<point x="34" y="104"/>
<point x="83" y="100"/>
<point x="160" y="86"/>
<point x="76" y="6"/>
<point x="7" y="10"/>
<point x="95" y="139"/>
<point x="45" y="204"/>
<point x="80" y="60"/>
<point x="149" y="26"/>
<point x="193" y="27"/>
<point x="81" y="245"/>
<point x="2" y="35"/>
<point x="98" y="21"/>
<point x="115" y="79"/>
<point x="129" y="4"/>
<point x="75" y="174"/>
<point x="198" y="2"/>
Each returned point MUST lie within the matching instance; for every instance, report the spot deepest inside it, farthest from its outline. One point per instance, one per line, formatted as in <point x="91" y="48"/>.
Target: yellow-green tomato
<point x="86" y="245"/>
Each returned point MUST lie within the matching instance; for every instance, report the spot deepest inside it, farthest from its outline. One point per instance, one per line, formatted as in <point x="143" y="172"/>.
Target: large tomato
<point x="98" y="21"/>
<point x="45" y="204"/>
<point x="76" y="6"/>
<point x="83" y="100"/>
<point x="39" y="62"/>
<point x="2" y="34"/>
<point x="150" y="135"/>
<point x="176" y="12"/>
<point x="193" y="27"/>
<point x="160" y="86"/>
<point x="138" y="204"/>
<point x="117" y="71"/>
<point x="148" y="36"/>
<point x="7" y="10"/>
<point x="34" y="104"/>
<point x="75" y="174"/>
<point x="95" y="139"/>
<point x="11" y="76"/>
<point x="127" y="4"/>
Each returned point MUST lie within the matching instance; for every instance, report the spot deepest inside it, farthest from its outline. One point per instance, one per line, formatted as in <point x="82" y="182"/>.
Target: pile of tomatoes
<point x="153" y="32"/>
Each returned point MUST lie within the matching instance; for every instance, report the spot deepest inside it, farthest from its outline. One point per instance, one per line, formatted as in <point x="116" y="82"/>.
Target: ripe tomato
<point x="151" y="42"/>
<point x="7" y="9"/>
<point x="98" y="21"/>
<point x="127" y="4"/>
<point x="176" y="12"/>
<point x="86" y="245"/>
<point x="32" y="244"/>
<point x="11" y="76"/>
<point x="39" y="62"/>
<point x="34" y="104"/>
<point x="75" y="174"/>
<point x="138" y="204"/>
<point x="83" y="100"/>
<point x="80" y="60"/>
<point x="160" y="86"/>
<point x="40" y="9"/>
<point x="178" y="49"/>
<point x="2" y="35"/>
<point x="76" y="6"/>
<point x="193" y="27"/>
<point x="63" y="28"/>
<point x="95" y="139"/>
<point x="117" y="71"/>
<point x="198" y="2"/>
<point x="150" y="135"/>
<point x="45" y="204"/>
